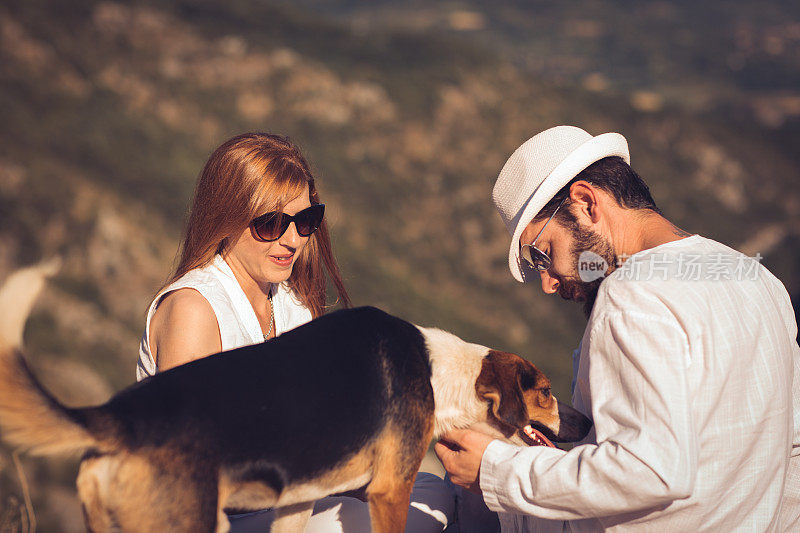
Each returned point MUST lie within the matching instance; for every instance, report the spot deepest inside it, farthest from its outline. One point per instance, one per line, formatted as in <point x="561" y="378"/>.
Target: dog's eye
<point x="546" y="393"/>
<point x="527" y="381"/>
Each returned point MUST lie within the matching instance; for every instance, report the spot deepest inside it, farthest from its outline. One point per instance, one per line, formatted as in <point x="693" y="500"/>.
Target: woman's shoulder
<point x="186" y="304"/>
<point x="185" y="301"/>
<point x="184" y="310"/>
<point x="204" y="282"/>
<point x="185" y="326"/>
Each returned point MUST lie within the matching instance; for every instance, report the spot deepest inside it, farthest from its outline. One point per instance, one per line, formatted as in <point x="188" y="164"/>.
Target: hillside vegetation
<point x="110" y="109"/>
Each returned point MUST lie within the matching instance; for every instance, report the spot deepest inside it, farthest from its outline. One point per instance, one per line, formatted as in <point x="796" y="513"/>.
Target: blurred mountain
<point x="407" y="112"/>
<point x="701" y="56"/>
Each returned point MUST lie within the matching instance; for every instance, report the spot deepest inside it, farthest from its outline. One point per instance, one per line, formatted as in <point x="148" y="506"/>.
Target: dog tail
<point x="30" y="418"/>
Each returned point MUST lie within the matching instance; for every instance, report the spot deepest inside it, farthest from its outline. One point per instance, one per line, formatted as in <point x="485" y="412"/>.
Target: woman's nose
<point x="291" y="238"/>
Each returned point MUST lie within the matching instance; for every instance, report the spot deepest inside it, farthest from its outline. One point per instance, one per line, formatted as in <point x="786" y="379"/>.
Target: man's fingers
<point x="444" y="451"/>
<point x="448" y="444"/>
<point x="456" y="436"/>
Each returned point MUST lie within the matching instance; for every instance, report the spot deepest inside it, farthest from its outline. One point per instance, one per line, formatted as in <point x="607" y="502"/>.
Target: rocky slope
<point x="109" y="111"/>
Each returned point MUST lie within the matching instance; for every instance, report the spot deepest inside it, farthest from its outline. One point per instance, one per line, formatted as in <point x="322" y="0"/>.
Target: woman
<point x="253" y="262"/>
<point x="241" y="279"/>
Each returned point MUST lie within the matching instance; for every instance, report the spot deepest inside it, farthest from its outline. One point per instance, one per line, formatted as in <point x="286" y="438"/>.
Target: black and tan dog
<point x="350" y="399"/>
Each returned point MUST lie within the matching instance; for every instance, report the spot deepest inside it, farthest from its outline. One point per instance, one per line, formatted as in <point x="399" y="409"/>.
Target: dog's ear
<point x="498" y="383"/>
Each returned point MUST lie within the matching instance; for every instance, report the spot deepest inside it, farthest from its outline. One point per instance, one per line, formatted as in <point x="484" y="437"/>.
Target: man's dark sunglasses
<point x="270" y="226"/>
<point x="534" y="256"/>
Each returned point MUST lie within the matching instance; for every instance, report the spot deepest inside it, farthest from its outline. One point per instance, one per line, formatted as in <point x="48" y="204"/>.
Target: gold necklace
<point x="271" y="316"/>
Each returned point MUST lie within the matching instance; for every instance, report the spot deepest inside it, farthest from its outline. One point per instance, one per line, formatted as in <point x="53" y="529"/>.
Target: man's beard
<point x="572" y="287"/>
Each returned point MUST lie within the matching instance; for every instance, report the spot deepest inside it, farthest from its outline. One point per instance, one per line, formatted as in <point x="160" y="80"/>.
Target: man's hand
<point x="460" y="451"/>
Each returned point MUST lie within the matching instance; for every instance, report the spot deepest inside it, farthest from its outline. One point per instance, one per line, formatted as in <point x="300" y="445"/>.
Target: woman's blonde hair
<point x="245" y="177"/>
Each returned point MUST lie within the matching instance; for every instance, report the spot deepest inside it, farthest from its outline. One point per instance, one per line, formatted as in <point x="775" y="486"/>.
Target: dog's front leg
<point x="292" y="518"/>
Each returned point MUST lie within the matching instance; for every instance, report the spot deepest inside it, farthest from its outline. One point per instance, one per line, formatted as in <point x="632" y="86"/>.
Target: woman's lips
<point x="282" y="260"/>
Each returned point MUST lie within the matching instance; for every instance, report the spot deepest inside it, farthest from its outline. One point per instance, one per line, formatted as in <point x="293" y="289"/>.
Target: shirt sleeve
<point x="791" y="330"/>
<point x="796" y="400"/>
<point x="646" y="453"/>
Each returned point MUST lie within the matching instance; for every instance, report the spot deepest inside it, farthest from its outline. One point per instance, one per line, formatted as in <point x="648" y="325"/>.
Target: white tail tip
<point x="17" y="296"/>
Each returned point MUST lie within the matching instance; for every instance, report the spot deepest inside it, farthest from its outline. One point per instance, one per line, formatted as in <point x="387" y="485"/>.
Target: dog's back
<point x="330" y="406"/>
<point x="301" y="402"/>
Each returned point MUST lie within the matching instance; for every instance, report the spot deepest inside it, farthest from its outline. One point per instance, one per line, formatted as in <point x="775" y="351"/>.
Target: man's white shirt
<point x="686" y="369"/>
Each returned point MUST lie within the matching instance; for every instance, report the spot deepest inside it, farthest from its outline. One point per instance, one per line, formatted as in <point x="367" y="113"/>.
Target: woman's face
<point x="268" y="261"/>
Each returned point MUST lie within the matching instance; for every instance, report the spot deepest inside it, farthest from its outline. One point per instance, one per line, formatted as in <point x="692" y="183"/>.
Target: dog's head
<point x="521" y="405"/>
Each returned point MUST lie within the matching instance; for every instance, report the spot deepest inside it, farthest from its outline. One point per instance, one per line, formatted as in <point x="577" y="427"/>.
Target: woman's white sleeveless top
<point x="238" y="324"/>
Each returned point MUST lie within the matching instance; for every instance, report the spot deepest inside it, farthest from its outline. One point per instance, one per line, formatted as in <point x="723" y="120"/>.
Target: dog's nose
<point x="574" y="425"/>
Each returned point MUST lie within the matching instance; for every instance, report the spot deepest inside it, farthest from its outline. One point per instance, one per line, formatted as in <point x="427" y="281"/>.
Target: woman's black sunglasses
<point x="270" y="226"/>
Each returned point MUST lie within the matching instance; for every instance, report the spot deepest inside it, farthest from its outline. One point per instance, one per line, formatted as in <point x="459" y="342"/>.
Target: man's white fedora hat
<point x="538" y="169"/>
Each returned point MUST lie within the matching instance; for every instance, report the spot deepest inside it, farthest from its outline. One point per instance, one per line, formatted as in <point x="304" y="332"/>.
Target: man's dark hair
<point x="613" y="175"/>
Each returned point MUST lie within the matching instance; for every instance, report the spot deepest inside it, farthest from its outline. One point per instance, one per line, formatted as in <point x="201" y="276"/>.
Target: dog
<point x="351" y="399"/>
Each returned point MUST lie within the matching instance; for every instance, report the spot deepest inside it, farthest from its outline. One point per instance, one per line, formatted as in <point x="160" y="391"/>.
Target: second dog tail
<point x="30" y="418"/>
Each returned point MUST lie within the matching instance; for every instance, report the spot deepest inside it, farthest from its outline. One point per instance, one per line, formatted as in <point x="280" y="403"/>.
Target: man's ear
<point x="585" y="199"/>
<point x="498" y="383"/>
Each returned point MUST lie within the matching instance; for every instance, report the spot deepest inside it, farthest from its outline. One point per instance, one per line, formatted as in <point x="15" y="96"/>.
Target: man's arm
<point x="646" y="455"/>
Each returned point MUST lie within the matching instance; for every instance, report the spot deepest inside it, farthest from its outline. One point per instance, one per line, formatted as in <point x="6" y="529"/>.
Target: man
<point x="686" y="365"/>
